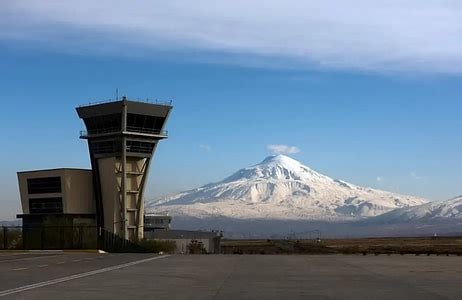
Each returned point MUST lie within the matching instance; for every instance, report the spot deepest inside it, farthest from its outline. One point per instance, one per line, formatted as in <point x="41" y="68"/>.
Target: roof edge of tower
<point x="128" y="100"/>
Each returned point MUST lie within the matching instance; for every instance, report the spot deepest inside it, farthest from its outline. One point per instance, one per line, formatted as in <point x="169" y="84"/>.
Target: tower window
<point x="140" y="147"/>
<point x="143" y="123"/>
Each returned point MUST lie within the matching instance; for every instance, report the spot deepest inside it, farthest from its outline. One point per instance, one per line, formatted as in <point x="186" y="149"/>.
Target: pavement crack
<point x="220" y="288"/>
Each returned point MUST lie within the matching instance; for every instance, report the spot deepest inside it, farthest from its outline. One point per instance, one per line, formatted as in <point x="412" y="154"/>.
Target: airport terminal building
<point x="122" y="137"/>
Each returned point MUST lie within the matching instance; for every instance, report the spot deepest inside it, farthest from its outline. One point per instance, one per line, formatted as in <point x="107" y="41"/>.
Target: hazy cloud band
<point x="382" y="36"/>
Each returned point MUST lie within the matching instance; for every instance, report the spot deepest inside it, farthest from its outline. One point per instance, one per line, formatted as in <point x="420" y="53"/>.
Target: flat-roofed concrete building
<point x="156" y="221"/>
<point x="183" y="238"/>
<point x="64" y="193"/>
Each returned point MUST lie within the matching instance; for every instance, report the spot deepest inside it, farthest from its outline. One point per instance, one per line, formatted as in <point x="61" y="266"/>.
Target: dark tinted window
<point x="139" y="147"/>
<point x="46" y="205"/>
<point x="142" y="123"/>
<point x="102" y="124"/>
<point x="44" y="185"/>
<point x="106" y="147"/>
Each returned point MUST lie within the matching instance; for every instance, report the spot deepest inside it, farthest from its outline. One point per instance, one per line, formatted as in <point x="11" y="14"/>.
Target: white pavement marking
<point x="77" y="276"/>
<point x="28" y="258"/>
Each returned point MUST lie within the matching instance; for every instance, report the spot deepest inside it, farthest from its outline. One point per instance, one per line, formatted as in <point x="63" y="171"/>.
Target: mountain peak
<point x="274" y="167"/>
<point x="279" y="158"/>
<point x="283" y="161"/>
<point x="282" y="187"/>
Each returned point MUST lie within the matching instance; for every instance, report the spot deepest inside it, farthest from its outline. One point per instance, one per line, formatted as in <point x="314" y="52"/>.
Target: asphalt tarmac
<point x="60" y="275"/>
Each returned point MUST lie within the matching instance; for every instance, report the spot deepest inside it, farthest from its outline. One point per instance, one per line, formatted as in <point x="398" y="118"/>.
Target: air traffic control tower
<point x="122" y="137"/>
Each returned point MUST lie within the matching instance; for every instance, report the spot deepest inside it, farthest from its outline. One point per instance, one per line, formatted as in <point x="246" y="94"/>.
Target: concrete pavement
<point x="144" y="276"/>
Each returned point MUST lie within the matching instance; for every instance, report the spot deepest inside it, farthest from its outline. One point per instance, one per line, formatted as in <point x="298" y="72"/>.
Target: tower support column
<point x="123" y="207"/>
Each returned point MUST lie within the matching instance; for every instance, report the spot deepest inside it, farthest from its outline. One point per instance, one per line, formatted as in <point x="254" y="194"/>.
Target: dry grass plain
<point x="376" y="246"/>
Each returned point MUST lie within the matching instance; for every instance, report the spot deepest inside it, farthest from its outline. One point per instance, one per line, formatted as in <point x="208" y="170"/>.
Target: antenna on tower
<point x="117" y="93"/>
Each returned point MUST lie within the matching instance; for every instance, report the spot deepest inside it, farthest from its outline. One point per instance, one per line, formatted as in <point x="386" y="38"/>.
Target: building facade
<point x="184" y="238"/>
<point x="122" y="136"/>
<point x="156" y="221"/>
<point x="61" y="193"/>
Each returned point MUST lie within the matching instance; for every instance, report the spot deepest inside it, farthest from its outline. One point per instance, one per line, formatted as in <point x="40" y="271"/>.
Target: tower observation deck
<point x="122" y="137"/>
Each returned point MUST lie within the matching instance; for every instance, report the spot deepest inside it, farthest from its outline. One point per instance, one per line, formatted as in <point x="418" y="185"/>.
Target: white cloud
<point x="205" y="147"/>
<point x="383" y="36"/>
<point x="283" y="149"/>
<point x="415" y="176"/>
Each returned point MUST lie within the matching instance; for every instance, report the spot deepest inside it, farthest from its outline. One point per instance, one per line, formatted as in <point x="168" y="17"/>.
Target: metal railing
<point x="86" y="133"/>
<point x="64" y="238"/>
<point x="146" y="100"/>
<point x="113" y="243"/>
<point x="147" y="130"/>
<point x="11" y="238"/>
<point x="99" y="131"/>
<point x="48" y="237"/>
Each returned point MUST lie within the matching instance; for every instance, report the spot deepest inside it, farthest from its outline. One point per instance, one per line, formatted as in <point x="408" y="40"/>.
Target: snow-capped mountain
<point x="282" y="188"/>
<point x="426" y="213"/>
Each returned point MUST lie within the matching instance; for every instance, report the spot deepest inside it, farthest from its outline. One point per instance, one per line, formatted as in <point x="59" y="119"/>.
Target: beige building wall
<point x="76" y="190"/>
<point x="110" y="195"/>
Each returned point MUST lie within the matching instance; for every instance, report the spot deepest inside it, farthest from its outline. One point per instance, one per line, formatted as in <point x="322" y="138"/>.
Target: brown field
<point x="418" y="246"/>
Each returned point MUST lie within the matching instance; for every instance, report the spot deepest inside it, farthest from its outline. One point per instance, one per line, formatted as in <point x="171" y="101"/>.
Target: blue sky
<point x="386" y="119"/>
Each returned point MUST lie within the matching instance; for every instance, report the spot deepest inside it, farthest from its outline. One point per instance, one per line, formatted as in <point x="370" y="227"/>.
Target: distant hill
<point x="440" y="211"/>
<point x="11" y="223"/>
<point x="440" y="218"/>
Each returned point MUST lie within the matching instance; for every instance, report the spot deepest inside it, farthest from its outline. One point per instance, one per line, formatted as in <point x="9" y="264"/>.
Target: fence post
<point x="23" y="236"/>
<point x="97" y="239"/>
<point x="80" y="238"/>
<point x="61" y="237"/>
<point x="5" y="238"/>
<point x="42" y="236"/>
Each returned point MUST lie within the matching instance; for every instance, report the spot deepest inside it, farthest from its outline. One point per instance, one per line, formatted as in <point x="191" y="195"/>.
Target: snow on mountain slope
<point x="429" y="212"/>
<point x="282" y="188"/>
